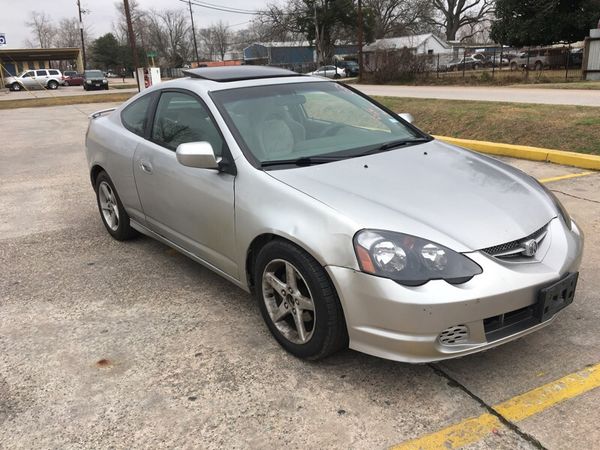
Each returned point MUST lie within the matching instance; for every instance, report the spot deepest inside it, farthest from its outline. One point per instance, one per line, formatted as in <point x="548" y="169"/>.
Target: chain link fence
<point x="502" y="65"/>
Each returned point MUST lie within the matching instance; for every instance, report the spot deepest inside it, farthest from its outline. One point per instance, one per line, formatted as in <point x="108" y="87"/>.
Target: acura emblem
<point x="530" y="247"/>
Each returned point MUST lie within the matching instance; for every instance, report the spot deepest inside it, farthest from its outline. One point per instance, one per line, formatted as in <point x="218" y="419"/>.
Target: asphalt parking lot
<point x="121" y="345"/>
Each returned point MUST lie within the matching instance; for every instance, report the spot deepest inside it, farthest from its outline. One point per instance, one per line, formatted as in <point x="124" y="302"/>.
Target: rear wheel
<point x="513" y="66"/>
<point x="111" y="209"/>
<point x="538" y="65"/>
<point x="298" y="301"/>
<point x="52" y="84"/>
<point x="337" y="76"/>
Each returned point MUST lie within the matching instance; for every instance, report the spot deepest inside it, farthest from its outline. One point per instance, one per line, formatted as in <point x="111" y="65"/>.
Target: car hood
<point x="436" y="191"/>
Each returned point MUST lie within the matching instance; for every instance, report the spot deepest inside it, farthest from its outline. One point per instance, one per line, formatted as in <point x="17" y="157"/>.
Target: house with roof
<point x="419" y="44"/>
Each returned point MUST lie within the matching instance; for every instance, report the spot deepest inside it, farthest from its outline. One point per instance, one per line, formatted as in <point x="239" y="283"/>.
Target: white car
<point x="35" y="79"/>
<point x="329" y="72"/>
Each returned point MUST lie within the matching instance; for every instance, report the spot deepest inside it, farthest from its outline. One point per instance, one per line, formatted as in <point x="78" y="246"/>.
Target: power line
<point x="223" y="9"/>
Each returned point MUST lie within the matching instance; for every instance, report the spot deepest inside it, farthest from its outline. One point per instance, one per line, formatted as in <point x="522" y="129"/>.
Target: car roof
<point x="204" y="85"/>
<point x="227" y="74"/>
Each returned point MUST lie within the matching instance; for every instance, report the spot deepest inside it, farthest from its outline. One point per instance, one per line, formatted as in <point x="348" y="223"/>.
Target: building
<point x="14" y="61"/>
<point x="420" y="44"/>
<point x="289" y="54"/>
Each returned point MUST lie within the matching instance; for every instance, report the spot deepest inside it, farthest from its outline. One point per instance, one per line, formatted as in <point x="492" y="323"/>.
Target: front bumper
<point x="404" y="323"/>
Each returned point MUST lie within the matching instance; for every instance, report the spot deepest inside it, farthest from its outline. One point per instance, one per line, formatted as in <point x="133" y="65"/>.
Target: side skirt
<point x="142" y="229"/>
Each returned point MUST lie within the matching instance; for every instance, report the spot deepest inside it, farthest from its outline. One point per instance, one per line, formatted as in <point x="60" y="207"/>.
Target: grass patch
<point x="572" y="128"/>
<point x="587" y="85"/>
<point x="66" y="100"/>
<point x="121" y="86"/>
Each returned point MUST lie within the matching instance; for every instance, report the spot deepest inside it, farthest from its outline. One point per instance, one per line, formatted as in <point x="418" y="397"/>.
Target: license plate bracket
<point x="557" y="296"/>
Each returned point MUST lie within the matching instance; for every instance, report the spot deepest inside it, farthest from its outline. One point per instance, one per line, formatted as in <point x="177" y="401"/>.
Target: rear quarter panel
<point x="110" y="146"/>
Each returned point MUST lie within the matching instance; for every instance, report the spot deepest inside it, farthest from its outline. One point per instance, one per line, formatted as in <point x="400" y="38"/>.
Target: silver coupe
<point x="349" y="225"/>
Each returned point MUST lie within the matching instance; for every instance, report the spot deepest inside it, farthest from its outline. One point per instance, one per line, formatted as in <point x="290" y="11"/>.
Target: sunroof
<point x="238" y="73"/>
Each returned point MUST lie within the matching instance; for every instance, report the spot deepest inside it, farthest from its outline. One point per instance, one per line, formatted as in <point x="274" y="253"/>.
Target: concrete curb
<point x="525" y="152"/>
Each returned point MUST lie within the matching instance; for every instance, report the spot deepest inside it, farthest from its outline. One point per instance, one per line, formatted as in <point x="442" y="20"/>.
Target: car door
<point x="41" y="78"/>
<point x="193" y="208"/>
<point x="28" y="79"/>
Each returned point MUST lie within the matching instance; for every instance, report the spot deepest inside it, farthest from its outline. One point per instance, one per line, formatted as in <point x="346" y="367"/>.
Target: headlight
<point x="104" y="81"/>
<point x="88" y="81"/>
<point x="559" y="206"/>
<point x="410" y="260"/>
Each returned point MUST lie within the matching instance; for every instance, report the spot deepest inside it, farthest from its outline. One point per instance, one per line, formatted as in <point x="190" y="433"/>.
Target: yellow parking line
<point x="566" y="177"/>
<point x="518" y="408"/>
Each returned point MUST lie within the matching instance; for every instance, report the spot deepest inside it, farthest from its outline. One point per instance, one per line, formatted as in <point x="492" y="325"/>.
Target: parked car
<point x="350" y="67"/>
<point x="35" y="79"/>
<point x="94" y="79"/>
<point x="348" y="229"/>
<point x="467" y="62"/>
<point x="532" y="59"/>
<point x="329" y="72"/>
<point x="72" y="78"/>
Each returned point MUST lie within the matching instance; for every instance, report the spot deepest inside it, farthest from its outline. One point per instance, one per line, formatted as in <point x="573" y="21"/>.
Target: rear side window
<point x="135" y="115"/>
<point x="53" y="72"/>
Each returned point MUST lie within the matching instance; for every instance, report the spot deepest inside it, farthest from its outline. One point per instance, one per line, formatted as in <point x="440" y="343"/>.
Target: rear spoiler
<point x="100" y="113"/>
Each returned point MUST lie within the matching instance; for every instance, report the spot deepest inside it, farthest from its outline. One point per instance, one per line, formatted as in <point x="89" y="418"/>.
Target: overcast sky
<point x="14" y="14"/>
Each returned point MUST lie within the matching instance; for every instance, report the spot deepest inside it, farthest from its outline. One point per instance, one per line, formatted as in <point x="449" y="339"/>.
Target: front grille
<point x="455" y="335"/>
<point x="514" y="248"/>
<point x="497" y="327"/>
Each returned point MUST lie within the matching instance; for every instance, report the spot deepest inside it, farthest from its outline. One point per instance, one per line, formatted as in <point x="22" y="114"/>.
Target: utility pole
<point x="360" y="41"/>
<point x="317" y="39"/>
<point x="132" y="41"/>
<point x="81" y="31"/>
<point x="194" y="33"/>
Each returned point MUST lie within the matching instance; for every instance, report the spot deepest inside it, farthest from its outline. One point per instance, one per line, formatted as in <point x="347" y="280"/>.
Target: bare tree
<point x="42" y="29"/>
<point x="138" y="19"/>
<point x="398" y="17"/>
<point x="68" y="35"/>
<point x="169" y="33"/>
<point x="216" y="40"/>
<point x="455" y="14"/>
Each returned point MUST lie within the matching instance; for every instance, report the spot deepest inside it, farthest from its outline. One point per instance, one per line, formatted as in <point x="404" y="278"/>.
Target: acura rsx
<point x="349" y="225"/>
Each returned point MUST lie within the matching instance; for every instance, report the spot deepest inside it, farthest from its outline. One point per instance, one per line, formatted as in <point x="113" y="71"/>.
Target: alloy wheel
<point x="288" y="301"/>
<point x="108" y="205"/>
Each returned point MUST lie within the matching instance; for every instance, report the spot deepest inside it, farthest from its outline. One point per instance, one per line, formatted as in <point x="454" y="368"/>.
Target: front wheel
<point x="16" y="87"/>
<point x="111" y="209"/>
<point x="298" y="301"/>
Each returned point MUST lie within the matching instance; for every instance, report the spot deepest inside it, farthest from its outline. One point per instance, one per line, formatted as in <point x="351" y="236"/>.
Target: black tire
<point x="52" y="85"/>
<point x="124" y="231"/>
<point x="329" y="333"/>
<point x="15" y="87"/>
<point x="513" y="66"/>
<point x="337" y="76"/>
<point x="85" y="87"/>
<point x="106" y="88"/>
<point x="67" y="83"/>
<point x="475" y="66"/>
<point x="538" y="66"/>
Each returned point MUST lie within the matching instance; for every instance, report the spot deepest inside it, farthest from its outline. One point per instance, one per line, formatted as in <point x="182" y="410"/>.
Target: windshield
<point x="306" y="120"/>
<point x="94" y="74"/>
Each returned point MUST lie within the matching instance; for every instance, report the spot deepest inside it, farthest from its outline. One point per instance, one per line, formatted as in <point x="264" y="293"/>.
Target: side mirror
<point x="197" y="154"/>
<point x="407" y="116"/>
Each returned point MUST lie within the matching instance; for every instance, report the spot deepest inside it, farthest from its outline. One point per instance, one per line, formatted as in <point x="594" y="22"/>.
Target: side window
<point x="182" y="118"/>
<point x="53" y="72"/>
<point x="40" y="73"/>
<point x="28" y="74"/>
<point x="134" y="116"/>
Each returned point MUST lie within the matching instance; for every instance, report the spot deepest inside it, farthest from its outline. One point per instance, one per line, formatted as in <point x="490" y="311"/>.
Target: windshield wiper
<point x="302" y="161"/>
<point x="394" y="144"/>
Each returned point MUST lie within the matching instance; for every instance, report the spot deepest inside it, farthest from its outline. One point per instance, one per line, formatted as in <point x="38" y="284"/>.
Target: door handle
<point x="146" y="166"/>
